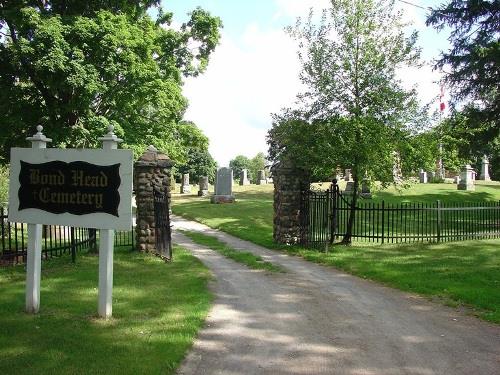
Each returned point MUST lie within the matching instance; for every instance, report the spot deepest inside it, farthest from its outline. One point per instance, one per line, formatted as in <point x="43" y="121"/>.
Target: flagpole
<point x="441" y="109"/>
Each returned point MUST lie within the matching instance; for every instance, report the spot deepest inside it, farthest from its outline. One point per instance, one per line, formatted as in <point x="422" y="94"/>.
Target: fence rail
<point x="325" y="216"/>
<point x="56" y="240"/>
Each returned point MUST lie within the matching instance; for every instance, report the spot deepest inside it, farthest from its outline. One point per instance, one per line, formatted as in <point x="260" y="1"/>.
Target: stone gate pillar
<point x="289" y="182"/>
<point x="151" y="171"/>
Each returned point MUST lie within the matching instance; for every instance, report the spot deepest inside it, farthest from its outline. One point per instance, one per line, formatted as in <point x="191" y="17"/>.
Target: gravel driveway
<point x="317" y="320"/>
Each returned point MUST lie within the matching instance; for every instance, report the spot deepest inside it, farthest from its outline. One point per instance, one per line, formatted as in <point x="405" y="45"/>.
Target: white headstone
<point x="423" y="176"/>
<point x="185" y="187"/>
<point x="466" y="179"/>
<point x="485" y="175"/>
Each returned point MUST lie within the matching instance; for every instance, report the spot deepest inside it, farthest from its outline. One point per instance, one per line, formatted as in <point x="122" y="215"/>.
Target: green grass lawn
<point x="244" y="257"/>
<point x="446" y="193"/>
<point x="465" y="273"/>
<point x="158" y="308"/>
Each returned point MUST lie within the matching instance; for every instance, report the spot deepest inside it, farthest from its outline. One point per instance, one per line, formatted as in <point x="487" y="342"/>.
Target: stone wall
<point x="151" y="171"/>
<point x="288" y="184"/>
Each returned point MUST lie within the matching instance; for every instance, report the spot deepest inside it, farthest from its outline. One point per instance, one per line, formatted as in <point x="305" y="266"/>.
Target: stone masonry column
<point x="151" y="171"/>
<point x="289" y="182"/>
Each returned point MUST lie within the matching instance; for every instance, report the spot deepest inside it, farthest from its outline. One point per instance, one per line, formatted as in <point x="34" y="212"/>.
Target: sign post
<point x="73" y="187"/>
<point x="34" y="252"/>
<point x="106" y="241"/>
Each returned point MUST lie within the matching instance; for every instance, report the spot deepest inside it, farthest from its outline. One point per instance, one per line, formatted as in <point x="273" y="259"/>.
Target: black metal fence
<point x="56" y="240"/>
<point x="324" y="218"/>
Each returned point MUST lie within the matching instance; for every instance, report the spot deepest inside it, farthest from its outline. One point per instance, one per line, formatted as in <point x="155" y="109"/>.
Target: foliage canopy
<point x="471" y="70"/>
<point x="77" y="66"/>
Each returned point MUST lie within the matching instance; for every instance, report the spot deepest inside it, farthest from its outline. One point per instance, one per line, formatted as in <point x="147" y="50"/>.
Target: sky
<point x="254" y="71"/>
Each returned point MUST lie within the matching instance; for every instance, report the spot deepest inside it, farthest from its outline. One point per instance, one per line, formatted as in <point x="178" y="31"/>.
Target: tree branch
<point x="47" y="97"/>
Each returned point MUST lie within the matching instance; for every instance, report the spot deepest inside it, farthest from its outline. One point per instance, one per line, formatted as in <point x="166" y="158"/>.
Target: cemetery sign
<point x="84" y="188"/>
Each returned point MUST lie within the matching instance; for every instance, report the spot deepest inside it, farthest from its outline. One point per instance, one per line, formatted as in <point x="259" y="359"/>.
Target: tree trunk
<point x="352" y="212"/>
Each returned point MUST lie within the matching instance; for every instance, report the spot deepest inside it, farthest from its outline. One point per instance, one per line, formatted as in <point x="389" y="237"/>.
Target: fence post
<point x="438" y="221"/>
<point x="106" y="238"/>
<point x="73" y="244"/>
<point x="34" y="252"/>
<point x="383" y="222"/>
<point x="333" y="217"/>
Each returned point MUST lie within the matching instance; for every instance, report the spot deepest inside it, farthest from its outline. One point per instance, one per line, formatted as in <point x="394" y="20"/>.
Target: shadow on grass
<point x="157" y="310"/>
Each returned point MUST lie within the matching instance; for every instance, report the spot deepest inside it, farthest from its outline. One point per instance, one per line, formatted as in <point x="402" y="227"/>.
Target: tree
<point x="355" y="112"/>
<point x="473" y="61"/>
<point x="257" y="163"/>
<point x="239" y="163"/>
<point x="199" y="161"/>
<point x="471" y="69"/>
<point x="77" y="66"/>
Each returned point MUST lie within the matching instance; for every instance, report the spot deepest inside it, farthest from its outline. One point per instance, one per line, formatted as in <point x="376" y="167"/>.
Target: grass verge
<point x="244" y="257"/>
<point x="157" y="310"/>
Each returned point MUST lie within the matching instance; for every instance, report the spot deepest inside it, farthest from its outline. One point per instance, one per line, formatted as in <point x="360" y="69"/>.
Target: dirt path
<point x="316" y="320"/>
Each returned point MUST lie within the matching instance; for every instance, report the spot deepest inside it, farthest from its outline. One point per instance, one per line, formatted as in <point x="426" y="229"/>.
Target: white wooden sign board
<point x="100" y="220"/>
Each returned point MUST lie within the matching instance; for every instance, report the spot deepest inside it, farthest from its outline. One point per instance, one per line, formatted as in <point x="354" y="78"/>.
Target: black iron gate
<point x="324" y="219"/>
<point x="163" y="233"/>
<point x="320" y="216"/>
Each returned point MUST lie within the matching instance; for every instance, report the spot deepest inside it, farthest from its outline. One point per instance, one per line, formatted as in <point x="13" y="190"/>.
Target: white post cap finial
<point x="39" y="140"/>
<point x="110" y="140"/>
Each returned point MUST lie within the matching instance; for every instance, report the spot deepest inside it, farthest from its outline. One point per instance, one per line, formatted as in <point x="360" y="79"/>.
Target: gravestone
<point x="432" y="176"/>
<point x="261" y="178"/>
<point x="456" y="180"/>
<point x="485" y="175"/>
<point x="365" y="188"/>
<point x="244" y="177"/>
<point x="185" y="187"/>
<point x="203" y="186"/>
<point x="223" y="186"/>
<point x="423" y="176"/>
<point x="347" y="175"/>
<point x="349" y="187"/>
<point x="466" y="179"/>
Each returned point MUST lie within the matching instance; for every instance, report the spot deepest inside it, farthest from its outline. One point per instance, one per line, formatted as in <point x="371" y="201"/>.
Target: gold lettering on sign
<point x="37" y="178"/>
<point x="94" y="199"/>
<point x="80" y="179"/>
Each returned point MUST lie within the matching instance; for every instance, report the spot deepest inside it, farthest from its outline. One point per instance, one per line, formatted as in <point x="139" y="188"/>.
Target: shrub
<point x="4" y="185"/>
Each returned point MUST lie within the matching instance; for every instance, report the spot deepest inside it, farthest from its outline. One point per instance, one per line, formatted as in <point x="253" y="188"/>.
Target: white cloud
<point x="246" y="81"/>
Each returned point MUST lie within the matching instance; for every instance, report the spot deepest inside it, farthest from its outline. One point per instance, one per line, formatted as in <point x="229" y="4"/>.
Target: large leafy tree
<point x="355" y="112"/>
<point x="77" y="66"/>
<point x="471" y="69"/>
<point x="471" y="66"/>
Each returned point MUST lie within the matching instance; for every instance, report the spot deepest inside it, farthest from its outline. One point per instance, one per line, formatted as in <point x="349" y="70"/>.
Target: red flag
<point x="442" y="106"/>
